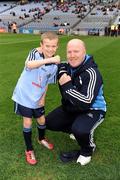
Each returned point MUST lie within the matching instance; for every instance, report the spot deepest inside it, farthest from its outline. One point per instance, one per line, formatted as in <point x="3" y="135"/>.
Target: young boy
<point x="29" y="94"/>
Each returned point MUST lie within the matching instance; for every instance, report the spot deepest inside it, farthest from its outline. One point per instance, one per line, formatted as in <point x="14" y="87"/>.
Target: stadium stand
<point x="23" y="14"/>
<point x="72" y="16"/>
<point x="4" y="6"/>
<point x="100" y="17"/>
<point x="64" y="15"/>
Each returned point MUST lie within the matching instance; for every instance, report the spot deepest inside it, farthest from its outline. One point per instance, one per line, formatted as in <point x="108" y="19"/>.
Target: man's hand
<point x="64" y="79"/>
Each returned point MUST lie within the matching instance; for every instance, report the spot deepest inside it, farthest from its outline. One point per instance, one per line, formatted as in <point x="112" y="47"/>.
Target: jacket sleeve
<point x="62" y="68"/>
<point x="89" y="87"/>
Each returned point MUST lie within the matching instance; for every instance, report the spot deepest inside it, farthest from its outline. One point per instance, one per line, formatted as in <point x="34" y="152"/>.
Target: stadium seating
<point x="21" y="14"/>
<point x="77" y="16"/>
<point x="100" y="17"/>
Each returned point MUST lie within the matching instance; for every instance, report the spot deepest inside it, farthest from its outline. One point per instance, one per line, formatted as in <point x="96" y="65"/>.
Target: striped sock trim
<point x="41" y="126"/>
<point x="27" y="129"/>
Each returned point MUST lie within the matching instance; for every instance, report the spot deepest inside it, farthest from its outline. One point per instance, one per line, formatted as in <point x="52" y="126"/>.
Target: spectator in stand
<point x="14" y="27"/>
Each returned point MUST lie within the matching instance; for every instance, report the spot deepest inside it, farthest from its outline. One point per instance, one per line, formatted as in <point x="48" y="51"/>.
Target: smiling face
<point x="75" y="52"/>
<point x="49" y="47"/>
<point x="49" y="44"/>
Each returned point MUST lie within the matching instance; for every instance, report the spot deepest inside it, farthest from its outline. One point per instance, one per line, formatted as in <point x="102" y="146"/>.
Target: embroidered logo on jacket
<point x="90" y="115"/>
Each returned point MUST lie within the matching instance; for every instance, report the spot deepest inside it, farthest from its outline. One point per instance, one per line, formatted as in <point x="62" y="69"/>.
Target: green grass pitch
<point x="105" y="164"/>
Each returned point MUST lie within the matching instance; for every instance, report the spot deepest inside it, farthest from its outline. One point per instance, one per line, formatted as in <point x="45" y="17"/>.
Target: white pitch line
<point x="2" y="43"/>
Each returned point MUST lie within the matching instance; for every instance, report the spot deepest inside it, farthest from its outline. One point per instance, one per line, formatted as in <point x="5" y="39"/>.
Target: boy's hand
<point x="42" y="101"/>
<point x="55" y="59"/>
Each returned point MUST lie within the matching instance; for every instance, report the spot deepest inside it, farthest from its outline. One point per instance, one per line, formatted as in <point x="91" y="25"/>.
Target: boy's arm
<point x="42" y="103"/>
<point x="42" y="99"/>
<point x="38" y="63"/>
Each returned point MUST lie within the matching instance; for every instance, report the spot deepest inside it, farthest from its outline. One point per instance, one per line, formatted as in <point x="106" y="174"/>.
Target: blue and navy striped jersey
<point x="32" y="83"/>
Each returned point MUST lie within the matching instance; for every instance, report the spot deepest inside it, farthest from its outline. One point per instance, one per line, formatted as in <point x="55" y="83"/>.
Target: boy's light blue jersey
<point x="32" y="83"/>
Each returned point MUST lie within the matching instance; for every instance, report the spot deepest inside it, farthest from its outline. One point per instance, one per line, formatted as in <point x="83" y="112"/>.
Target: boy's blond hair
<point x="49" y="35"/>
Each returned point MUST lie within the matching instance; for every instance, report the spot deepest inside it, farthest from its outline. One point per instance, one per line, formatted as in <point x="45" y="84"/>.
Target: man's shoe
<point x="46" y="144"/>
<point x="72" y="136"/>
<point x="69" y="156"/>
<point x="30" y="157"/>
<point x="83" y="160"/>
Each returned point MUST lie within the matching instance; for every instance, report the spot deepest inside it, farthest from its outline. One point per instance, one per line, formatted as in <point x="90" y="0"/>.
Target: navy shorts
<point x="28" y="112"/>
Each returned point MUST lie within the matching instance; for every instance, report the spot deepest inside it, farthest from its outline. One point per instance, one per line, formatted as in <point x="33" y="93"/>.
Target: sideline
<point x="2" y="43"/>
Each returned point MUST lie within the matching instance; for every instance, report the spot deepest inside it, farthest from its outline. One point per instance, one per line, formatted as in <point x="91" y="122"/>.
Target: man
<point x="83" y="106"/>
<point x="29" y="94"/>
